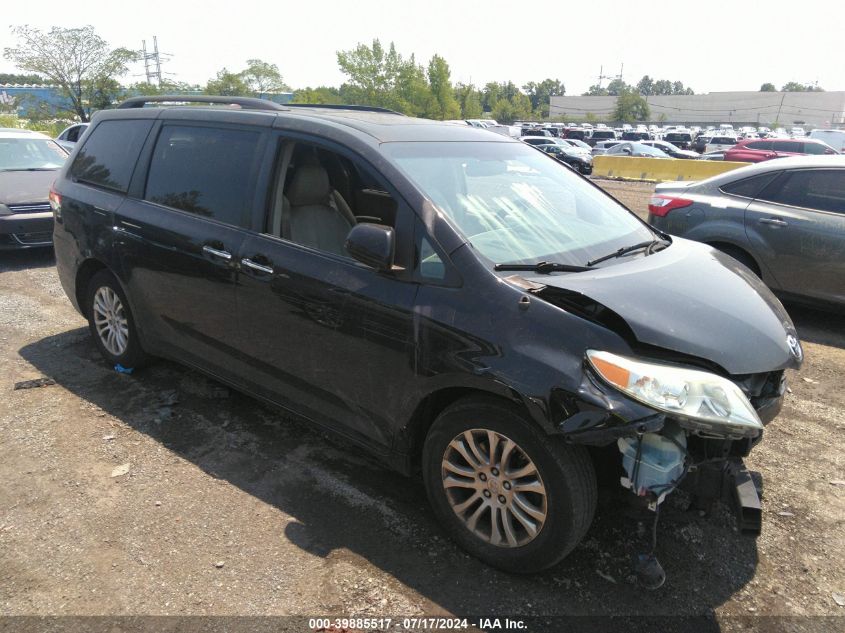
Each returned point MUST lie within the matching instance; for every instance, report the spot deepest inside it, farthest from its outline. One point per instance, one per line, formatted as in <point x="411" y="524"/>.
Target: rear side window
<point x="822" y="189"/>
<point x="760" y="145"/>
<point x="749" y="187"/>
<point x="786" y="146"/>
<point x="108" y="157"/>
<point x="815" y="148"/>
<point x="202" y="170"/>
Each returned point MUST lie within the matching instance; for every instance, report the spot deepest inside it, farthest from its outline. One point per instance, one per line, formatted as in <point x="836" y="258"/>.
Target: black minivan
<point x="455" y="301"/>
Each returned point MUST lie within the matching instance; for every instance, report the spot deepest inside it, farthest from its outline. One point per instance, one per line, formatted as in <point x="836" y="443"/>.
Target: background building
<point x="809" y="109"/>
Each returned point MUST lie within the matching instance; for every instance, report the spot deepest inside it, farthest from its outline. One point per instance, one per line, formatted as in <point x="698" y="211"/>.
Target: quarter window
<point x="108" y="157"/>
<point x="205" y="171"/>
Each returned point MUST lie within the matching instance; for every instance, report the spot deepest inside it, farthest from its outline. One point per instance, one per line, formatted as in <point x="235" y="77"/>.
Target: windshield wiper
<point x="627" y="249"/>
<point x="544" y="267"/>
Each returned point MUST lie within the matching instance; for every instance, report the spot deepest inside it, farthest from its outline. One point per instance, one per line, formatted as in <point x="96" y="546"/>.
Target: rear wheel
<point x="110" y="322"/>
<point x="508" y="494"/>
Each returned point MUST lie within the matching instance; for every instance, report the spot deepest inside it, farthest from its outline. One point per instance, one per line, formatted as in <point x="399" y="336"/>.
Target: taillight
<point x="56" y="203"/>
<point x="661" y="205"/>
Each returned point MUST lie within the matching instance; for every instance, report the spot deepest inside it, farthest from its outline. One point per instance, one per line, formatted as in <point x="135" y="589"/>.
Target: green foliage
<point x="617" y="87"/>
<point x="493" y="92"/>
<point x="77" y="61"/>
<point x="768" y="87"/>
<point x="321" y="94"/>
<point x="470" y="101"/>
<point x="514" y="109"/>
<point x="444" y="105"/>
<point x="541" y="93"/>
<point x="794" y="86"/>
<point x="595" y="91"/>
<point x="228" y="84"/>
<point x="630" y="107"/>
<point x="12" y="78"/>
<point x="263" y="78"/>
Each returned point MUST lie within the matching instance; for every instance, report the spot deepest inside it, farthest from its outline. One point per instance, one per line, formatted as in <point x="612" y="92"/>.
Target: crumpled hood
<point x="22" y="187"/>
<point x="693" y="299"/>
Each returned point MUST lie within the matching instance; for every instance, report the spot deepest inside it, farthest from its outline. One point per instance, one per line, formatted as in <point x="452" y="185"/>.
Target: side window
<point x="108" y="157"/>
<point x="203" y="170"/>
<point x="786" y="146"/>
<point x="760" y="145"/>
<point x="74" y="133"/>
<point x="822" y="189"/>
<point x="749" y="187"/>
<point x="814" y="148"/>
<point x="319" y="195"/>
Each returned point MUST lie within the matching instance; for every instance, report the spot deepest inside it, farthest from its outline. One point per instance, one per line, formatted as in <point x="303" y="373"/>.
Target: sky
<point x="710" y="46"/>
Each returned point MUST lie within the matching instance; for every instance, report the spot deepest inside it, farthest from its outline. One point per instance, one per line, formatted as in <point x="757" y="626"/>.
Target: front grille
<point x="38" y="207"/>
<point x="33" y="239"/>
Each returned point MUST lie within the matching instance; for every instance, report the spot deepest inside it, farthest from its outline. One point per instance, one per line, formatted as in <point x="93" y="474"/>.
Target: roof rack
<point x="339" y="106"/>
<point x="247" y="103"/>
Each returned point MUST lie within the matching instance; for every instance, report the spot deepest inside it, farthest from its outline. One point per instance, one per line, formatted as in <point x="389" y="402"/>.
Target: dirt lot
<point x="227" y="508"/>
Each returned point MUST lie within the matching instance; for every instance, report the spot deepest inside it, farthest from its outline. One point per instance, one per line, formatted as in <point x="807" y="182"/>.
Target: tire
<point x="564" y="473"/>
<point x="108" y="310"/>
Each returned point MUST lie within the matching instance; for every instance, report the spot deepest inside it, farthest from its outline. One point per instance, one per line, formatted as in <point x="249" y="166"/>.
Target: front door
<point x="327" y="336"/>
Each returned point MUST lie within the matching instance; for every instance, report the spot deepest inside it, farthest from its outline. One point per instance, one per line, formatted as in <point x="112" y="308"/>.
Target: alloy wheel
<point x="110" y="321"/>
<point x="494" y="488"/>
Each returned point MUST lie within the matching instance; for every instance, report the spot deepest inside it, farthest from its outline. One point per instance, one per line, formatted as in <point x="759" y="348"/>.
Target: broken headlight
<point x="700" y="401"/>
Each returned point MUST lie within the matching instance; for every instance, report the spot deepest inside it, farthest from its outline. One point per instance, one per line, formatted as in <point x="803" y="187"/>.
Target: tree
<point x="768" y="87"/>
<point x="595" y="91"/>
<point x="228" y="84"/>
<point x="321" y="94"/>
<point x="12" y="78"/>
<point x="515" y="109"/>
<point x="662" y="87"/>
<point x="75" y="60"/>
<point x="444" y="104"/>
<point x="470" y="101"/>
<point x="617" y="87"/>
<point x="645" y="86"/>
<point x="630" y="107"/>
<point x="541" y="93"/>
<point x="263" y="78"/>
<point x="794" y="86"/>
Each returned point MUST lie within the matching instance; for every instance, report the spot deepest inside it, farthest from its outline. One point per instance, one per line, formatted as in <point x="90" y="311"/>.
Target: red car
<point x="755" y="150"/>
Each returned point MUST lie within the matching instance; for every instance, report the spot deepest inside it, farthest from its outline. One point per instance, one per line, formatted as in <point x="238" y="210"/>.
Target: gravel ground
<point x="162" y="493"/>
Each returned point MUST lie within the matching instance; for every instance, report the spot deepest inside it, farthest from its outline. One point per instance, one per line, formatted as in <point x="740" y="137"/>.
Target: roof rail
<point x="339" y="106"/>
<point x="247" y="103"/>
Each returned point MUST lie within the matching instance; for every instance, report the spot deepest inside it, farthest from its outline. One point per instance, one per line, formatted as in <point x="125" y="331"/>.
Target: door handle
<point x="773" y="221"/>
<point x="224" y="255"/>
<point x="256" y="266"/>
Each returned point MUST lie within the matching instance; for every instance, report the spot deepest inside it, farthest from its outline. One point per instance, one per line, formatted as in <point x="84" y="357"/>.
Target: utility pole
<point x="602" y="76"/>
<point x="152" y="62"/>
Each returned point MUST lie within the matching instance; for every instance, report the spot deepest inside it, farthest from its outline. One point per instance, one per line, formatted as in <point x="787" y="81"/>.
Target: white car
<point x="834" y="138"/>
<point x="797" y="132"/>
<point x="70" y="135"/>
<point x="720" y="143"/>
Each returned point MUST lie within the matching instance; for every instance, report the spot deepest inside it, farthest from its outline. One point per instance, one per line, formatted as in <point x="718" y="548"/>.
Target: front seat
<point x="313" y="219"/>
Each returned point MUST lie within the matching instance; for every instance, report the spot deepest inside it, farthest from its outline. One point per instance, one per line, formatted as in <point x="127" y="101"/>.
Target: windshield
<point x="30" y="153"/>
<point x="516" y="205"/>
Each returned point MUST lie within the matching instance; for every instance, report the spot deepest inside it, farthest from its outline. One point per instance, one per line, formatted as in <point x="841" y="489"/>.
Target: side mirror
<point x="372" y="244"/>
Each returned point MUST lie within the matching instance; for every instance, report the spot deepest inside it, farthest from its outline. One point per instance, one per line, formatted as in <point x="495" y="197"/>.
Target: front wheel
<point x="507" y="493"/>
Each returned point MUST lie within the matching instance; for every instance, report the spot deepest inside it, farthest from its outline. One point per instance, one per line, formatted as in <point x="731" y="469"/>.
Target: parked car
<point x="574" y="142"/>
<point x="720" y="143"/>
<point x="569" y="155"/>
<point x="602" y="146"/>
<point x="601" y="134"/>
<point x="672" y="150"/>
<point x="636" y="135"/>
<point x="834" y="138"/>
<point x="783" y="219"/>
<point x="635" y="149"/>
<point x="700" y="142"/>
<point x="29" y="162"/>
<point x="576" y="133"/>
<point x="756" y="150"/>
<point x="682" y="139"/>
<point x="71" y="135"/>
<point x="712" y="156"/>
<point x="509" y="312"/>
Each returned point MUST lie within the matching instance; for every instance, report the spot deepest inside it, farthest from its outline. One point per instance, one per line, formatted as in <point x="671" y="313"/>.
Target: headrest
<point x="310" y="185"/>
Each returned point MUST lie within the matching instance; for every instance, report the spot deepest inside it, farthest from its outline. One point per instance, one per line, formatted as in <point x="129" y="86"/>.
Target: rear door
<point x="797" y="228"/>
<point x="180" y="235"/>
